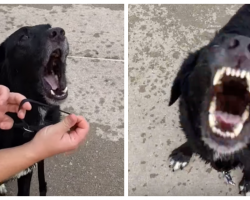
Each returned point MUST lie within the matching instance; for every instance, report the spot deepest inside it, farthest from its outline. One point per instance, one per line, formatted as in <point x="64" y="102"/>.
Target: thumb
<point x="64" y="125"/>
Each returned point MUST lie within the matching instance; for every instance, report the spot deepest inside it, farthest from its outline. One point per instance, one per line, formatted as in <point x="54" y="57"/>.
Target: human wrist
<point x="33" y="152"/>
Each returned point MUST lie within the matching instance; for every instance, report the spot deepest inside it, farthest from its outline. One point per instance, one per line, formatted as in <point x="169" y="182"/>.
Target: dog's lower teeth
<point x="52" y="92"/>
<point x="238" y="129"/>
<point x="211" y="120"/>
<point x="65" y="90"/>
<point x="245" y="115"/>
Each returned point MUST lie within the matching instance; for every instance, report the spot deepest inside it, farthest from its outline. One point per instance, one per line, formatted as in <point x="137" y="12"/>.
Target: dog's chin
<point x="223" y="148"/>
<point x="52" y="101"/>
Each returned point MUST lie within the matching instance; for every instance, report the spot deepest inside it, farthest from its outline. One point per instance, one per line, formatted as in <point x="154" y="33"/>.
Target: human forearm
<point x="14" y="160"/>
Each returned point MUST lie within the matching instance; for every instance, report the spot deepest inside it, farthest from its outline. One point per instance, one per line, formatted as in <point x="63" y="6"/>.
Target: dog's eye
<point x="24" y="38"/>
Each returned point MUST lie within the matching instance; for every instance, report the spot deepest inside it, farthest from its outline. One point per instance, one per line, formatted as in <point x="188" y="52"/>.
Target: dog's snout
<point x="239" y="47"/>
<point x="56" y="34"/>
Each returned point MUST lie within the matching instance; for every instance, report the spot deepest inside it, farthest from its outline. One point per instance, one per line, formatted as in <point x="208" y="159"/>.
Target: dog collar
<point x="25" y="126"/>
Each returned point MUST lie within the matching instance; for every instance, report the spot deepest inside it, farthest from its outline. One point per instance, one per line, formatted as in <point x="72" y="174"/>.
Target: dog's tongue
<point x="225" y="118"/>
<point x="51" y="79"/>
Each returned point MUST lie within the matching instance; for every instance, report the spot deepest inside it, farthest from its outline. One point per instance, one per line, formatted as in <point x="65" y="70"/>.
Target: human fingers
<point x="6" y="123"/>
<point x="4" y="94"/>
<point x="81" y="130"/>
<point x="16" y="98"/>
<point x="64" y="125"/>
<point x="82" y="123"/>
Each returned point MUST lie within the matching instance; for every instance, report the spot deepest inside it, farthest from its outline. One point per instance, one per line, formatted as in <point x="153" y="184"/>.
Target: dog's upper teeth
<point x="233" y="72"/>
<point x="243" y="74"/>
<point x="217" y="77"/>
<point x="52" y="92"/>
<point x="238" y="73"/>
<point x="248" y="76"/>
<point x="212" y="105"/>
<point x="228" y="71"/>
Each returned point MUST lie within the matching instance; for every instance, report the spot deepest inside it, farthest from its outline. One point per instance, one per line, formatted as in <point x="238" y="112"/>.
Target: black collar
<point x="32" y="129"/>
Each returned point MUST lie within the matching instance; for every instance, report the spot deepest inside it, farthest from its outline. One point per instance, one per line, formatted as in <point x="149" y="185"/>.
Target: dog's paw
<point x="178" y="161"/>
<point x="244" y="187"/>
<point x="3" y="190"/>
<point x="43" y="193"/>
<point x="43" y="189"/>
<point x="227" y="177"/>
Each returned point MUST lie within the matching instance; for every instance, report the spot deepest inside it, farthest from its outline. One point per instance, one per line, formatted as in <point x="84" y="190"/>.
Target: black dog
<point x="33" y="63"/>
<point x="213" y="85"/>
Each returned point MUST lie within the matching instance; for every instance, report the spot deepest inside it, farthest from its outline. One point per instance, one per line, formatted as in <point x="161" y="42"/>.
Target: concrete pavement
<point x="96" y="87"/>
<point x="160" y="36"/>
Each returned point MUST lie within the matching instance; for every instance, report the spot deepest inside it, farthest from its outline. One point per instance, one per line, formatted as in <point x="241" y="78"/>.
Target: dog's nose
<point x="56" y="33"/>
<point x="239" y="48"/>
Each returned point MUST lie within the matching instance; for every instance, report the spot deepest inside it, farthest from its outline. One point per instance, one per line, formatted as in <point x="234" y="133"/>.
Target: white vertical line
<point x="126" y="99"/>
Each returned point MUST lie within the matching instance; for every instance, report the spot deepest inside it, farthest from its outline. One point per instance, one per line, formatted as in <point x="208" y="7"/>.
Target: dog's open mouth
<point x="53" y="86"/>
<point x="229" y="108"/>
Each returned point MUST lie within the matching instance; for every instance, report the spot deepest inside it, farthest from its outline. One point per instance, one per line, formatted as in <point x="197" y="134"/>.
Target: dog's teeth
<point x="52" y="92"/>
<point x="217" y="77"/>
<point x="228" y="71"/>
<point x="248" y="79"/>
<point x="233" y="72"/>
<point x="245" y="115"/>
<point x="212" y="106"/>
<point x="233" y="135"/>
<point x="212" y="120"/>
<point x="243" y="74"/>
<point x="65" y="90"/>
<point x="238" y="73"/>
<point x="214" y="129"/>
<point x="248" y="75"/>
<point x="223" y="70"/>
<point x="219" y="132"/>
<point x="228" y="134"/>
<point x="238" y="129"/>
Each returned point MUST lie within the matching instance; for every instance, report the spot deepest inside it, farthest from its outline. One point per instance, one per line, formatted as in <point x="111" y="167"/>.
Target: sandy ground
<point x="160" y="37"/>
<point x="95" y="73"/>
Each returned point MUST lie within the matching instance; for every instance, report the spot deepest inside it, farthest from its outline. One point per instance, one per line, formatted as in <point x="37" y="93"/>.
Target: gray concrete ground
<point x="160" y="36"/>
<point x="96" y="87"/>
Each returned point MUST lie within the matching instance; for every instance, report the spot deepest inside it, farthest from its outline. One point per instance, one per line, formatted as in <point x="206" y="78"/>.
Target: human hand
<point x="56" y="139"/>
<point x="9" y="102"/>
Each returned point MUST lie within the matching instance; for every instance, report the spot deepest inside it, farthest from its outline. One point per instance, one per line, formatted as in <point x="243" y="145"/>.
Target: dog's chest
<point x="3" y="189"/>
<point x="42" y="113"/>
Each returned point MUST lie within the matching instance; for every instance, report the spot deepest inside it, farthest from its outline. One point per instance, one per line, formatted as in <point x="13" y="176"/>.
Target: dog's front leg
<point x="41" y="179"/>
<point x="23" y="184"/>
<point x="244" y="185"/>
<point x="180" y="157"/>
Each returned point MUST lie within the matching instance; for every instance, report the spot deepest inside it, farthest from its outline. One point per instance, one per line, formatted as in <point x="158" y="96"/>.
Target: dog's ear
<point x="182" y="75"/>
<point x="2" y="53"/>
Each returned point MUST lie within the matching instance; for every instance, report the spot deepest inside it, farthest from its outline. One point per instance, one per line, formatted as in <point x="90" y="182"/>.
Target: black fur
<point x="23" y="58"/>
<point x="193" y="84"/>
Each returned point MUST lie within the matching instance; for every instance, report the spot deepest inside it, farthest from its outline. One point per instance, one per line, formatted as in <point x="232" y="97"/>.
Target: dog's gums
<point x="229" y="110"/>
